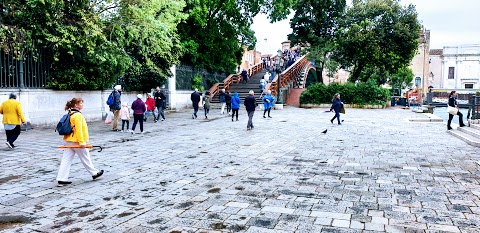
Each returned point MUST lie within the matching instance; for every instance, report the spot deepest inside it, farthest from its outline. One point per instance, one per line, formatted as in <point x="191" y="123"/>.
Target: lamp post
<point x="279" y="71"/>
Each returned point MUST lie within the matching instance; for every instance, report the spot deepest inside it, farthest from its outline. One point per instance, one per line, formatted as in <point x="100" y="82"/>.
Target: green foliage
<point x="360" y="93"/>
<point x="95" y="42"/>
<point x="314" y="26"/>
<point x="198" y="82"/>
<point x="376" y="35"/>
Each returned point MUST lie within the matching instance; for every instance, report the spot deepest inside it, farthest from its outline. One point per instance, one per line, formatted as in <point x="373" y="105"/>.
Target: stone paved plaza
<point x="377" y="172"/>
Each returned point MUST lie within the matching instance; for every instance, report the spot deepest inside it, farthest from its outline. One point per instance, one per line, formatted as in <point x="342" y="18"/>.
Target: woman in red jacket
<point x="150" y="102"/>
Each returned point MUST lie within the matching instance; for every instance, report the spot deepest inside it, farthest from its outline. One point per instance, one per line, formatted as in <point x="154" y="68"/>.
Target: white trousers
<point x="223" y="107"/>
<point x="66" y="163"/>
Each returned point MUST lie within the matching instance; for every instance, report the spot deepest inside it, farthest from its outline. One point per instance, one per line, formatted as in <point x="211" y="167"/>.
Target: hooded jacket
<point x="266" y="104"/>
<point x="236" y="101"/>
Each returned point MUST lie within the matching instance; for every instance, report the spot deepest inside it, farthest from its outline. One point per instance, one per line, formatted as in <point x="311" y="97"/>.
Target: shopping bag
<point x="109" y="118"/>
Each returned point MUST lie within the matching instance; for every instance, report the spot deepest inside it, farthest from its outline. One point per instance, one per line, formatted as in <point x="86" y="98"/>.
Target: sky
<point x="451" y="23"/>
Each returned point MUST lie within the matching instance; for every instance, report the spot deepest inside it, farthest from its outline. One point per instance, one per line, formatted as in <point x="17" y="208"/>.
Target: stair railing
<point x="288" y="75"/>
<point x="233" y="78"/>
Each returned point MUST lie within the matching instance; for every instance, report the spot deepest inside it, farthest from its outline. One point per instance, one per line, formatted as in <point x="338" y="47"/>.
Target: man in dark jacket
<point x="228" y="101"/>
<point x="195" y="97"/>
<point x="250" y="105"/>
<point x="244" y="76"/>
<point x="160" y="103"/>
<point x="117" y="105"/>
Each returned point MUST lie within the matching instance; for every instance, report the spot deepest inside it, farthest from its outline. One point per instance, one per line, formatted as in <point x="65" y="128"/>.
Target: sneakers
<point x="232" y="119"/>
<point x="155" y="121"/>
<point x="122" y="131"/>
<point x="331" y="121"/>
<point x="269" y="117"/>
<point x="163" y="119"/>
<point x="193" y="116"/>
<point x="9" y="145"/>
<point x="100" y="173"/>
<point x="63" y="183"/>
<point x="264" y="116"/>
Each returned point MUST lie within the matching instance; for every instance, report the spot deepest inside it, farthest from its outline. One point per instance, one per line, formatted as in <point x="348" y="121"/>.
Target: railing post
<point x="22" y="84"/>
<point x="278" y="89"/>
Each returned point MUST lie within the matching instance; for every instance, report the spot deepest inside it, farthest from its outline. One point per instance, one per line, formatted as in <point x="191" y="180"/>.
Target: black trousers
<point x="13" y="134"/>
<point x="267" y="110"/>
<point x="229" y="107"/>
<point x="123" y="124"/>
<point x="234" y="111"/>
<point x="137" y="118"/>
<point x="450" y="118"/>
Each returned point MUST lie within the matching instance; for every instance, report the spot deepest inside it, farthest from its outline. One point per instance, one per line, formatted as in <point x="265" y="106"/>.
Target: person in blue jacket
<point x="268" y="100"/>
<point x="336" y="106"/>
<point x="235" y="104"/>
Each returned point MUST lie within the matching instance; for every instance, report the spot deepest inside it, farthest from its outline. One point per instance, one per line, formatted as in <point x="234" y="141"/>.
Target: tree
<point x="314" y="26"/>
<point x="376" y="35"/>
<point x="95" y="42"/>
<point x="217" y="31"/>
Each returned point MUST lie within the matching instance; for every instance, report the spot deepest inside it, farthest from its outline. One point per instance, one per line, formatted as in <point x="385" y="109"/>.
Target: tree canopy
<point x="376" y="35"/>
<point x="95" y="42"/>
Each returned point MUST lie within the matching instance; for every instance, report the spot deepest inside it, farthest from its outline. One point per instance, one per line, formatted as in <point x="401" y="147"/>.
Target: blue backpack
<point x="110" y="100"/>
<point x="64" y="127"/>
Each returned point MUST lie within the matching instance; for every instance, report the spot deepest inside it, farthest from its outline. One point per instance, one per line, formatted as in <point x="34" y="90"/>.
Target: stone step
<point x="475" y="126"/>
<point x="469" y="139"/>
<point x="470" y="130"/>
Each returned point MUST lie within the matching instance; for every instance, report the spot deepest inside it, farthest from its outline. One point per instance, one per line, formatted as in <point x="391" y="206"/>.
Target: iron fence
<point x="185" y="74"/>
<point x="474" y="110"/>
<point x="32" y="71"/>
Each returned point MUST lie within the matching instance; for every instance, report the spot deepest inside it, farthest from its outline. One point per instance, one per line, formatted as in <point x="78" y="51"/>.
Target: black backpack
<point x="64" y="127"/>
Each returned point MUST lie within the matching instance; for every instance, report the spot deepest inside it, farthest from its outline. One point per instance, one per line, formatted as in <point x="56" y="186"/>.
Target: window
<point x="469" y="86"/>
<point x="451" y="72"/>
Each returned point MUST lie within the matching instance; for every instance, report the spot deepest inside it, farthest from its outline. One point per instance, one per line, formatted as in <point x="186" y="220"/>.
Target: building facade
<point x="435" y="67"/>
<point x="461" y="67"/>
<point x="420" y="62"/>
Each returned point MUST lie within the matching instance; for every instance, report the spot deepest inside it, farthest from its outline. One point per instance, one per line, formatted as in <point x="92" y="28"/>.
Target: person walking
<point x="195" y="97"/>
<point x="221" y="98"/>
<point x="12" y="117"/>
<point x="115" y="108"/>
<point x="235" y="105"/>
<point x="206" y="104"/>
<point x="452" y="102"/>
<point x="125" y="116"/>
<point x="268" y="100"/>
<point x="160" y="102"/>
<point x="337" y="107"/>
<point x="77" y="139"/>
<point x="138" y="107"/>
<point x="228" y="102"/>
<point x="250" y="105"/>
<point x="150" y="108"/>
<point x="263" y="83"/>
<point x="244" y="75"/>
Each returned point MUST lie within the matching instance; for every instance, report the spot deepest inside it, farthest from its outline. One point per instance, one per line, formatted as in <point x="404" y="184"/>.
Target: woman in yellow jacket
<point x="78" y="137"/>
<point x="12" y="117"/>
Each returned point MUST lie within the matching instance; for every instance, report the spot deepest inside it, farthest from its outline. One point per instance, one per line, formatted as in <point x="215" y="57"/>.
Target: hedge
<point x="360" y="93"/>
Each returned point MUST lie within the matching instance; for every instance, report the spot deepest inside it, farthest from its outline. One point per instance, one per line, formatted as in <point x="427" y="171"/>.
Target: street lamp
<point x="279" y="71"/>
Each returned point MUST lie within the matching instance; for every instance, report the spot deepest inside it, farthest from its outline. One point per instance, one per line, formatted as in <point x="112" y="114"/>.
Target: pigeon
<point x="324" y="132"/>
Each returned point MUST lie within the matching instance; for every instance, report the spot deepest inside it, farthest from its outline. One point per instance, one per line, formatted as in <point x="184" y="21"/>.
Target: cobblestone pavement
<point x="377" y="172"/>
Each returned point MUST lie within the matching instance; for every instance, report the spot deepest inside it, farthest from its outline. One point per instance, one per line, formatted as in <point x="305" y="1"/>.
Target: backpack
<point x="110" y="100"/>
<point x="64" y="127"/>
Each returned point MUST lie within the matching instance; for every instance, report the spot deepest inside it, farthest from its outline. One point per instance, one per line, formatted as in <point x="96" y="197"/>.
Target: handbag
<point x="452" y="110"/>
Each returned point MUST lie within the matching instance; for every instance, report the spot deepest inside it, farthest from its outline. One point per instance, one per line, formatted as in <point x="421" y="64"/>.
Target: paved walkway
<point x="376" y="172"/>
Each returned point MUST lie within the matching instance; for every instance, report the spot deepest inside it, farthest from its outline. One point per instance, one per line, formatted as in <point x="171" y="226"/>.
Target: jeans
<point x="337" y="115"/>
<point x="137" y="118"/>
<point x="123" y="124"/>
<point x="161" y="112"/>
<point x="195" y="110"/>
<point x="250" y="116"/>
<point x="13" y="134"/>
<point x="235" y="111"/>
<point x="153" y="113"/>
<point x="207" y="110"/>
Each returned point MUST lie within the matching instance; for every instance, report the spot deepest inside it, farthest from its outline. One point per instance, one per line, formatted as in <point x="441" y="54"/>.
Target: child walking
<point x="206" y="103"/>
<point x="125" y="115"/>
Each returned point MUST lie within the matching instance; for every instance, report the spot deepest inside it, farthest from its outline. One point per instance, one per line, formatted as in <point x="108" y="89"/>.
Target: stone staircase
<point x="471" y="134"/>
<point x="243" y="89"/>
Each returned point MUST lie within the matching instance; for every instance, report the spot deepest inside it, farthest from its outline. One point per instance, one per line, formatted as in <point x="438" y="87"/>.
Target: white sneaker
<point x="121" y="131"/>
<point x="9" y="145"/>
